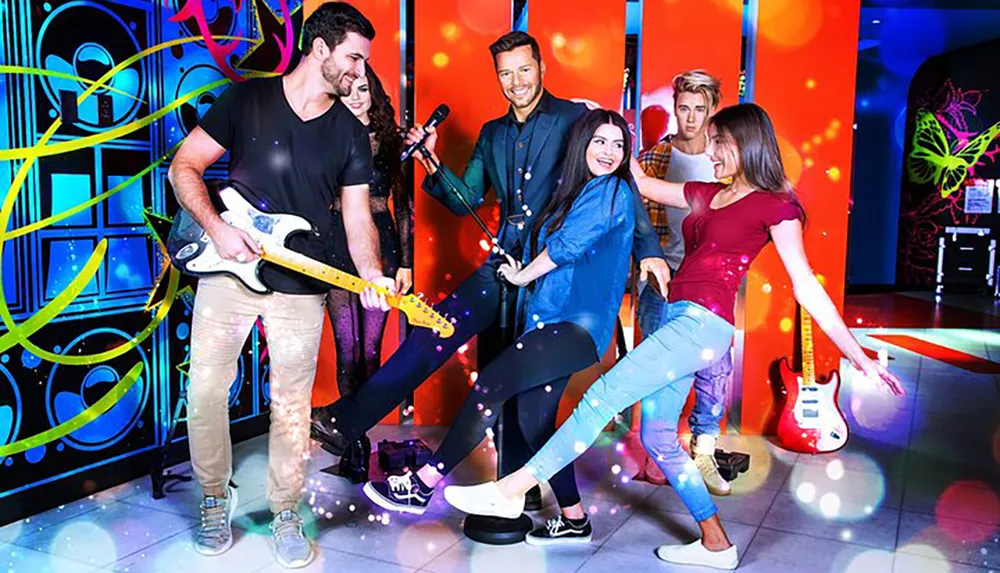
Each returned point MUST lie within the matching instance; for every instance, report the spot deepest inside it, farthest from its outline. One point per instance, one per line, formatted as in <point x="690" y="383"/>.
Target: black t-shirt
<point x="282" y="164"/>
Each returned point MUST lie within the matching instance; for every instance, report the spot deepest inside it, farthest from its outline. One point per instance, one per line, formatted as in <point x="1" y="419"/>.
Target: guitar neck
<point x="289" y="259"/>
<point x="808" y="364"/>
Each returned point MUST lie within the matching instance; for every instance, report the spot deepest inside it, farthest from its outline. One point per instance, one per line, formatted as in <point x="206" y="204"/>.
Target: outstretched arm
<point x="664" y="192"/>
<point x="787" y="236"/>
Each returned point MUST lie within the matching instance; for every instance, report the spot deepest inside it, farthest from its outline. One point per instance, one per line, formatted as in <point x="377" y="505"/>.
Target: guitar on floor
<point x="811" y="421"/>
<point x="191" y="250"/>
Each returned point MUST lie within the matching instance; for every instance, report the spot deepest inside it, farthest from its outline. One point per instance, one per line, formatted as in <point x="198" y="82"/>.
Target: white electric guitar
<point x="191" y="250"/>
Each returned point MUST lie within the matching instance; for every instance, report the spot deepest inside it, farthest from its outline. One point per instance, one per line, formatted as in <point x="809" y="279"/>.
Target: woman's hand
<point x="511" y="270"/>
<point x="875" y="371"/>
<point x="404" y="280"/>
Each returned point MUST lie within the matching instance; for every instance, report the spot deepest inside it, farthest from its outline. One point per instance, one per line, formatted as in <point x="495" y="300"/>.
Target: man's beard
<point x="337" y="80"/>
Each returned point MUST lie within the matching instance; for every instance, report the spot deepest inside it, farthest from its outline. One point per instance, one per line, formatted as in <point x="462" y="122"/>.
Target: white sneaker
<point x="696" y="554"/>
<point x="703" y="452"/>
<point x="484" y="499"/>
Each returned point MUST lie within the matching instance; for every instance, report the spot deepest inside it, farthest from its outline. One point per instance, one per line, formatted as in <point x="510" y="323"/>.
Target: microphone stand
<point x="481" y="528"/>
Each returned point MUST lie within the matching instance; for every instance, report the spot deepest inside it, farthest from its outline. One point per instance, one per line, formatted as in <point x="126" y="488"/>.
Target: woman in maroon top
<point x="727" y="228"/>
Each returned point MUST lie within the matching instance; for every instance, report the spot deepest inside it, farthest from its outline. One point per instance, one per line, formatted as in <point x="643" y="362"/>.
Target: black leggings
<point x="357" y="334"/>
<point x="534" y="371"/>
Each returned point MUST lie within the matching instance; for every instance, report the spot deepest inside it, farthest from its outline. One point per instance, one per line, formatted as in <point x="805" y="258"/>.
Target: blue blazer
<point x="546" y="134"/>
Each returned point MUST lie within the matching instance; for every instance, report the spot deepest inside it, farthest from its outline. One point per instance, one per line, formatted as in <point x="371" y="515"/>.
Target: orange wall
<point x="453" y="65"/>
<point x="585" y="55"/>
<point x="805" y="77"/>
<point x="675" y="38"/>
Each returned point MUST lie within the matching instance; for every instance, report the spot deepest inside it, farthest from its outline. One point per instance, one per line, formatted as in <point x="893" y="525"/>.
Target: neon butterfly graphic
<point x="934" y="160"/>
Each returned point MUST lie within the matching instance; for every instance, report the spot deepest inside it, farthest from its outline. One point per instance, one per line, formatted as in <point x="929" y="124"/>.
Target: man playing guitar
<point x="293" y="148"/>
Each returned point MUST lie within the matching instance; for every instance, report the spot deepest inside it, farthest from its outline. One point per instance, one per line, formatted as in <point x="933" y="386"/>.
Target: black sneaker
<point x="560" y="530"/>
<point x="400" y="493"/>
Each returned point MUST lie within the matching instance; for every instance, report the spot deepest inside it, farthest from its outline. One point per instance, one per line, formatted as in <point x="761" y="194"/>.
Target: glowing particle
<point x="484" y="245"/>
<point x="806" y="492"/>
<point x="520" y="346"/>
<point x="766" y="288"/>
<point x="579" y="447"/>
<point x="440" y="465"/>
<point x="829" y="504"/>
<point x="833" y="173"/>
<point x="595" y="402"/>
<point x="625" y="479"/>
<point x="616" y="469"/>
<point x="463" y="348"/>
<point x="540" y="325"/>
<point x="846" y="535"/>
<point x="371" y="518"/>
<point x="810" y="84"/>
<point x="809" y="162"/>
<point x="440" y="59"/>
<point x="835" y="470"/>
<point x="474" y="376"/>
<point x="450" y="31"/>
<point x="707" y="354"/>
<point x="558" y="40"/>
<point x="534" y="317"/>
<point x="785" y="325"/>
<point x="817" y="140"/>
<point x="548" y="388"/>
<point x="488" y="412"/>
<point x="620" y="447"/>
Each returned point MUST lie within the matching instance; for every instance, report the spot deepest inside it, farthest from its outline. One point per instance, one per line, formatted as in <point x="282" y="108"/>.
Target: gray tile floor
<point x="916" y="489"/>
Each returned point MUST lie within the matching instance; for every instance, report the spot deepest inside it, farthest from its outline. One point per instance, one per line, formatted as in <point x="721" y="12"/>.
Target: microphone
<point x="437" y="117"/>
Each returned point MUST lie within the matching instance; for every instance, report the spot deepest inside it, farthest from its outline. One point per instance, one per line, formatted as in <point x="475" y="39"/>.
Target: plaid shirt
<point x="655" y="162"/>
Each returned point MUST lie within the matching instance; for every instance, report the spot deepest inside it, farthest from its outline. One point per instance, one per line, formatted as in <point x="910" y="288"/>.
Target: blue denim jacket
<point x="592" y="250"/>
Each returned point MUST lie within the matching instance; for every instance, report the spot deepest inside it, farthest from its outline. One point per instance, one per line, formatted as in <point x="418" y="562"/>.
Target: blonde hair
<point x="699" y="82"/>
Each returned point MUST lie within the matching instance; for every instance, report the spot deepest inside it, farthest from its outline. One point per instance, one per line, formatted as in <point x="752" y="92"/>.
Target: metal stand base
<point x="497" y="530"/>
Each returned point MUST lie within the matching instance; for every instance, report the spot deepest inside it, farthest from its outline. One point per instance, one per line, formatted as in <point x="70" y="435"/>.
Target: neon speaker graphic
<point x="71" y="390"/>
<point x="86" y="39"/>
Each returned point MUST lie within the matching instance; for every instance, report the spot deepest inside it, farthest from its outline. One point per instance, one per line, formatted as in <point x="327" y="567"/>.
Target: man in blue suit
<point x="519" y="155"/>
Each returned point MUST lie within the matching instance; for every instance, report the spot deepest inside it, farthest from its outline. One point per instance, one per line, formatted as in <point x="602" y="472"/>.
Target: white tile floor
<point x="916" y="489"/>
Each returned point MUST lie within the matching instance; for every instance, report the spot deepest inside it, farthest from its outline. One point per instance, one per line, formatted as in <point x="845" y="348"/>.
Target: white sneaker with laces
<point x="484" y="499"/>
<point x="703" y="452"/>
<point x="696" y="554"/>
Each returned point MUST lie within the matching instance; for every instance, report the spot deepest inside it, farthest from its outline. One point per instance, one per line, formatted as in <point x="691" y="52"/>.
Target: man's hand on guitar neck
<point x="234" y="244"/>
<point x="373" y="299"/>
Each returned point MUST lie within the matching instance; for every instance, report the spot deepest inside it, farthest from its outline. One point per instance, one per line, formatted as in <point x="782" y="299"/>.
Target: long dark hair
<point x="576" y="173"/>
<point x="760" y="159"/>
<point x="382" y="123"/>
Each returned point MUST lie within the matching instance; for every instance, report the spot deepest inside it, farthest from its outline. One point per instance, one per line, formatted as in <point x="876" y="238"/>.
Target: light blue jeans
<point x="660" y="372"/>
<point x="710" y="384"/>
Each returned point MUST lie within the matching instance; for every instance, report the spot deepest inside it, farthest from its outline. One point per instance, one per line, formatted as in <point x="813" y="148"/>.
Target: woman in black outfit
<point x="358" y="332"/>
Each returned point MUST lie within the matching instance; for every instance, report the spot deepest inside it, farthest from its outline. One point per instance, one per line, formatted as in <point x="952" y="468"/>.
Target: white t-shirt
<point x="683" y="167"/>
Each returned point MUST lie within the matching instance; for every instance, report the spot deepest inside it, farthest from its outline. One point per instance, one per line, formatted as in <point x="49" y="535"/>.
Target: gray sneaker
<point x="290" y="544"/>
<point x="215" y="534"/>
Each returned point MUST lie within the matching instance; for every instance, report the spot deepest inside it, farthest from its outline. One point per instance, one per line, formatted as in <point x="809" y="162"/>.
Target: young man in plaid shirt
<point x="682" y="158"/>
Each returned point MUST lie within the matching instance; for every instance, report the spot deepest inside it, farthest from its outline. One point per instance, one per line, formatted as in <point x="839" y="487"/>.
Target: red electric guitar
<point x="811" y="421"/>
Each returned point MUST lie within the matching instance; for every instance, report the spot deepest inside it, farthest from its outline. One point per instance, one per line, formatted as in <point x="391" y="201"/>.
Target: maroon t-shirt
<point x="720" y="244"/>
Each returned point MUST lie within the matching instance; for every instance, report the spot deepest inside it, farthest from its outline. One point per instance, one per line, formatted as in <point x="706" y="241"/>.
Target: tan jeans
<point x="224" y="313"/>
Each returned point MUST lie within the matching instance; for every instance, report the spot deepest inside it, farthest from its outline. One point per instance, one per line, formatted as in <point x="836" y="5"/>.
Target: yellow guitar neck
<point x="289" y="259"/>
<point x="808" y="364"/>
